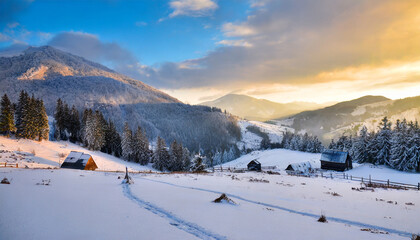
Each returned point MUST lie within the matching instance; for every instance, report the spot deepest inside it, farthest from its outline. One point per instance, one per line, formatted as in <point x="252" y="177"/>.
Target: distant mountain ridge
<point x="49" y="73"/>
<point x="349" y="116"/>
<point x="258" y="109"/>
<point x="38" y="66"/>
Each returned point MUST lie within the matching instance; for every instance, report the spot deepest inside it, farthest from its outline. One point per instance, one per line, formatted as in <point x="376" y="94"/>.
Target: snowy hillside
<point x="280" y="158"/>
<point x="348" y="117"/>
<point x="47" y="154"/>
<point x="49" y="73"/>
<point x="252" y="140"/>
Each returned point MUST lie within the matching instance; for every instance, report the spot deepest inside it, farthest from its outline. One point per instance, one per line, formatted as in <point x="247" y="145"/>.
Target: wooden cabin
<point x="254" y="165"/>
<point x="336" y="160"/>
<point x="79" y="160"/>
<point x="304" y="167"/>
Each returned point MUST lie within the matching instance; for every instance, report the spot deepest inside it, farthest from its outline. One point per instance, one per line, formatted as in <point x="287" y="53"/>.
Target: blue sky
<point x="143" y="27"/>
<point x="198" y="50"/>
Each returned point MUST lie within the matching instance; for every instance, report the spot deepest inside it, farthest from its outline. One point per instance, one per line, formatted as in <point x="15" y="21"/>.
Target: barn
<point x="254" y="165"/>
<point x="336" y="160"/>
<point x="79" y="160"/>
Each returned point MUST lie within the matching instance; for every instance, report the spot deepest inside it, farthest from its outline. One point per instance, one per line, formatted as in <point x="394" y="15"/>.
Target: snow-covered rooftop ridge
<point x="301" y="167"/>
<point x="334" y="156"/>
<point x="76" y="156"/>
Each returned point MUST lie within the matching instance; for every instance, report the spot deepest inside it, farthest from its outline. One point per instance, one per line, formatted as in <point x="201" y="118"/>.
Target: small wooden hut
<point x="303" y="167"/>
<point x="254" y="165"/>
<point x="336" y="160"/>
<point x="79" y="160"/>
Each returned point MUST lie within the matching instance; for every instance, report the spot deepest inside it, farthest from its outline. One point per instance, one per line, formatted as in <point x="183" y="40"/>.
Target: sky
<point x="199" y="50"/>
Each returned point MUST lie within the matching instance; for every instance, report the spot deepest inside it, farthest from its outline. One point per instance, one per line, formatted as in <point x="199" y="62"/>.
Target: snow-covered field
<point x="48" y="154"/>
<point x="95" y="205"/>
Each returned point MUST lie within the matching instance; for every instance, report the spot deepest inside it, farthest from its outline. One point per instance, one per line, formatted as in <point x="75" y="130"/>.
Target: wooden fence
<point x="366" y="180"/>
<point x="235" y="169"/>
<point x="6" y="164"/>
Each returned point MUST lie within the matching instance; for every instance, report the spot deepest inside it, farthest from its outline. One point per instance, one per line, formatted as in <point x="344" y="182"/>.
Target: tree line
<point x="25" y="119"/>
<point x="98" y="134"/>
<point x="397" y="147"/>
<point x="301" y="142"/>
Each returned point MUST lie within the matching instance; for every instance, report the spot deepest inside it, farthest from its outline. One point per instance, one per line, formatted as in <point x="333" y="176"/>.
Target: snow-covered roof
<point x="334" y="156"/>
<point x="77" y="157"/>
<point x="255" y="161"/>
<point x="300" y="167"/>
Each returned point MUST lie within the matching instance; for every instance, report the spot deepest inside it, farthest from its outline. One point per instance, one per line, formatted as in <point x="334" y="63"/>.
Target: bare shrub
<point x="258" y="180"/>
<point x="322" y="219"/>
<point x="223" y="198"/>
<point x="61" y="155"/>
<point x="33" y="152"/>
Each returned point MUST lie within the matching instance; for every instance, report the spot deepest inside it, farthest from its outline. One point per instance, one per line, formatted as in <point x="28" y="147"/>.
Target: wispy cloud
<point x="192" y="8"/>
<point x="141" y="24"/>
<point x="237" y="30"/>
<point x="233" y="42"/>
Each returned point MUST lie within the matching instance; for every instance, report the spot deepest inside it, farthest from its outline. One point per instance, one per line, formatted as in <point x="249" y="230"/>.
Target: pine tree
<point x="414" y="152"/>
<point x="141" y="149"/>
<point x="59" y="119"/>
<point x="74" y="126"/>
<point x="126" y="143"/>
<point x="399" y="145"/>
<point x="7" y="123"/>
<point x="360" y="149"/>
<point x="115" y="140"/>
<point x="198" y="164"/>
<point x="382" y="143"/>
<point x="29" y="119"/>
<point x="94" y="131"/>
<point x="41" y="120"/>
<point x="317" y="145"/>
<point x="161" y="155"/>
<point x="99" y="125"/>
<point x="87" y="114"/>
<point x="19" y="114"/>
<point x="179" y="157"/>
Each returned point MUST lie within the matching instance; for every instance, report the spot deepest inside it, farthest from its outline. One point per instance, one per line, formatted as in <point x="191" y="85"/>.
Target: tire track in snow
<point x="334" y="219"/>
<point x="181" y="224"/>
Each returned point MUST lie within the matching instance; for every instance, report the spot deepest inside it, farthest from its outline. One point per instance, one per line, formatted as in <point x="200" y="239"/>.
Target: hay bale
<point x="5" y="181"/>
<point x="322" y="219"/>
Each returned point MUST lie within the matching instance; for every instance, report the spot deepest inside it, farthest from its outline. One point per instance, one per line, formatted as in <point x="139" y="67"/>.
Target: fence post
<point x="344" y="176"/>
<point x="370" y="181"/>
<point x="331" y="175"/>
<point x="322" y="175"/>
<point x="362" y="179"/>
<point x="16" y="165"/>
<point x="388" y="183"/>
<point x="351" y="177"/>
<point x="418" y="186"/>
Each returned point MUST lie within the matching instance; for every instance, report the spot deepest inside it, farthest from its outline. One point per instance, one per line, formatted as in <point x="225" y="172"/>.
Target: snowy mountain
<point x="259" y="109"/>
<point x="348" y="117"/>
<point x="49" y="73"/>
